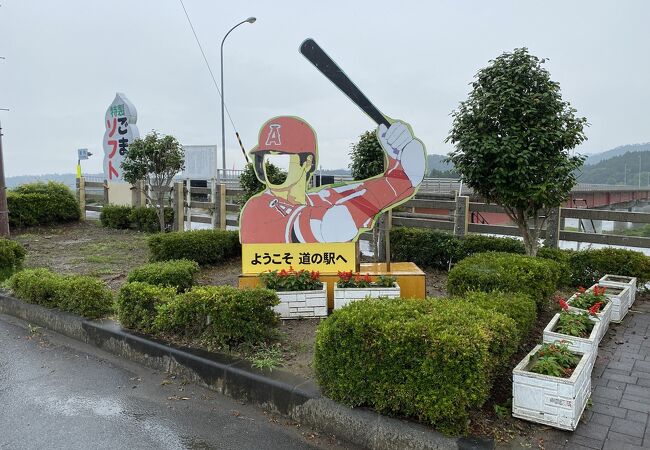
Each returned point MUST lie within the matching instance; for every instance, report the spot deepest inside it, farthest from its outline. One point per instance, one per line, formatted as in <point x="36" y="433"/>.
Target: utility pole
<point x="639" y="171"/>
<point x="4" y="210"/>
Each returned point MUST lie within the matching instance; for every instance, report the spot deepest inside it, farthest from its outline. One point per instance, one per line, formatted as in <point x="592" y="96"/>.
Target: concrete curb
<point x="279" y="391"/>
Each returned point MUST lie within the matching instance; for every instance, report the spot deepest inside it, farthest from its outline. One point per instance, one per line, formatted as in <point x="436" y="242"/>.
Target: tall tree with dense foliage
<point x="155" y="159"/>
<point x="513" y="136"/>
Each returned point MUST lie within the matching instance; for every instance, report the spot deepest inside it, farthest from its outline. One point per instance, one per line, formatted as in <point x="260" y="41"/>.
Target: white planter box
<point x="619" y="297"/>
<point x="558" y="402"/>
<point x="588" y="346"/>
<point x="302" y="304"/>
<point x="344" y="296"/>
<point x="605" y="315"/>
<point x="620" y="281"/>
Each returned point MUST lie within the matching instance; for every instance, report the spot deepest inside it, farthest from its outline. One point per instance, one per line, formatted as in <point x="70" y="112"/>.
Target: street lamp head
<point x="251" y="19"/>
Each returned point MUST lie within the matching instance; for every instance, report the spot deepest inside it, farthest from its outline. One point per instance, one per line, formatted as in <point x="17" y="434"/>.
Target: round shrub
<point x="79" y="294"/>
<point x="137" y="304"/>
<point x="202" y="246"/>
<point x="12" y="255"/>
<point x="84" y="295"/>
<point x="426" y="248"/>
<point x="41" y="204"/>
<point x="477" y="243"/>
<point x="223" y="314"/>
<point x="436" y="248"/>
<point x="563" y="258"/>
<point x="35" y="286"/>
<point x="431" y="360"/>
<point x="519" y="307"/>
<point x="116" y="216"/>
<point x="177" y="273"/>
<point x="588" y="266"/>
<point x="506" y="272"/>
<point x="146" y="219"/>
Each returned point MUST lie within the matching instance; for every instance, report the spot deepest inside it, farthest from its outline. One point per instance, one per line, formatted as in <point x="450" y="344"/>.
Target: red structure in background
<point x="583" y="197"/>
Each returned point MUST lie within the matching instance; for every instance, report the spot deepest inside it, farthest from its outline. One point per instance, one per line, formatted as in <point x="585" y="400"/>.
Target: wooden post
<point x="215" y="204"/>
<point x="188" y="201"/>
<point x="553" y="229"/>
<point x="389" y="225"/>
<point x="222" y="205"/>
<point x="461" y="215"/>
<point x="138" y="198"/>
<point x="106" y="192"/>
<point x="82" y="198"/>
<point x="179" y="207"/>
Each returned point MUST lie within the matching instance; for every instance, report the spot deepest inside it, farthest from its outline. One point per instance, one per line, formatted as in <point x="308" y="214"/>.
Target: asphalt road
<point x="57" y="393"/>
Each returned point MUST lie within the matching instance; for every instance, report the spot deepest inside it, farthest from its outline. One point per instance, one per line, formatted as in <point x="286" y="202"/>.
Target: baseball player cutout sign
<point x="291" y="225"/>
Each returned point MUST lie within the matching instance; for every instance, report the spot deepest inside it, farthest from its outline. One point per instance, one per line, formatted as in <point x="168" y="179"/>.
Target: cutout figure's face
<point x="296" y="173"/>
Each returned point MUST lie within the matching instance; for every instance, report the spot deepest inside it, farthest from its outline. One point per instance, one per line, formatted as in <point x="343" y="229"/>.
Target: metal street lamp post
<point x="223" y="127"/>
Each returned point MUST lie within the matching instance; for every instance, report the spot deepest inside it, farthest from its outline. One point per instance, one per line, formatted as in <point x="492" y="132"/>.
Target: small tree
<point x="512" y="136"/>
<point x="156" y="159"/>
<point x="251" y="185"/>
<point x="367" y="160"/>
<point x="367" y="157"/>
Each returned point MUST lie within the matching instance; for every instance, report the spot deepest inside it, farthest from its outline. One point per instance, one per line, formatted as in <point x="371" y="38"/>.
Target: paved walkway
<point x="618" y="417"/>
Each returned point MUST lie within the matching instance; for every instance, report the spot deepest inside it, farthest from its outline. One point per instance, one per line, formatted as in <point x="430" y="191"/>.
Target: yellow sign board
<point x="328" y="257"/>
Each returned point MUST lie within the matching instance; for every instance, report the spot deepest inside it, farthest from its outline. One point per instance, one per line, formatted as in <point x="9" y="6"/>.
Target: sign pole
<point x="4" y="210"/>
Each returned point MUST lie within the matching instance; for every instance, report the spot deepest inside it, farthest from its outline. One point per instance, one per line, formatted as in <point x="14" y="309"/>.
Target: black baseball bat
<point x="321" y="60"/>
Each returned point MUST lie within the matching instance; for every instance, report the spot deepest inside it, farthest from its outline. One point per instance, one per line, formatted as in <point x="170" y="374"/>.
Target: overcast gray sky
<point x="66" y="59"/>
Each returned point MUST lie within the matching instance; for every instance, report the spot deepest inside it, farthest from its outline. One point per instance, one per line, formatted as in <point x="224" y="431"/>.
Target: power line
<point x="214" y="80"/>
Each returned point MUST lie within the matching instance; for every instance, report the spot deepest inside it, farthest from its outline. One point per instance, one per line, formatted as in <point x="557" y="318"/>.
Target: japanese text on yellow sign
<point x="323" y="257"/>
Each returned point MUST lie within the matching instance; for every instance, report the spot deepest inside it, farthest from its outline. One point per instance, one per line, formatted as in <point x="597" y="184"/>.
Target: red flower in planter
<point x="599" y="290"/>
<point x="581" y="290"/>
<point x="283" y="273"/>
<point x="595" y="308"/>
<point x="367" y="278"/>
<point x="345" y="276"/>
<point x="315" y="275"/>
<point x="563" y="304"/>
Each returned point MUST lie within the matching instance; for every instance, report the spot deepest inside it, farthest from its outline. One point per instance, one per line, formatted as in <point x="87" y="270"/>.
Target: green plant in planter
<point x="386" y="281"/>
<point x="588" y="299"/>
<point x="290" y="280"/>
<point x="555" y="360"/>
<point x="574" y="324"/>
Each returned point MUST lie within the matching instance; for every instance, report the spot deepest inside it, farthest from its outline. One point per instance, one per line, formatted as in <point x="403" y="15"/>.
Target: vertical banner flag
<point x="121" y="131"/>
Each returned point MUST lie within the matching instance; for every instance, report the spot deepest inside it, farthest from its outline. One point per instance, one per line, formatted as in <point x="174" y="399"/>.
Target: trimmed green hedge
<point x="223" y="314"/>
<point x="41" y="204"/>
<point x="137" y="304"/>
<point x="436" y="248"/>
<point x="12" y="255"/>
<point x="519" y="307"/>
<point x="507" y="272"/>
<point x="202" y="246"/>
<point x="588" y="266"/>
<point x="563" y="258"/>
<point x="431" y="360"/>
<point x="140" y="218"/>
<point x="79" y="294"/>
<point x="177" y="273"/>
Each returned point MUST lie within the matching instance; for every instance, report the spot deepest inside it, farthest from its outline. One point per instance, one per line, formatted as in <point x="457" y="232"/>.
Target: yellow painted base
<point x="411" y="279"/>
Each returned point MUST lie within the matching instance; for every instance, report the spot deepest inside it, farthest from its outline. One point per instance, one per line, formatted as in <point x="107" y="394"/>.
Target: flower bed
<point x="352" y="287"/>
<point x="576" y="329"/>
<point x="619" y="281"/>
<point x="584" y="301"/>
<point x="551" y="385"/>
<point x="301" y="294"/>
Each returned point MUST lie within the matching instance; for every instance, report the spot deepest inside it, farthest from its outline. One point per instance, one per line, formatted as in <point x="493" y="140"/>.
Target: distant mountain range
<point x="69" y="179"/>
<point x="622" y="169"/>
<point x="618" y="151"/>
